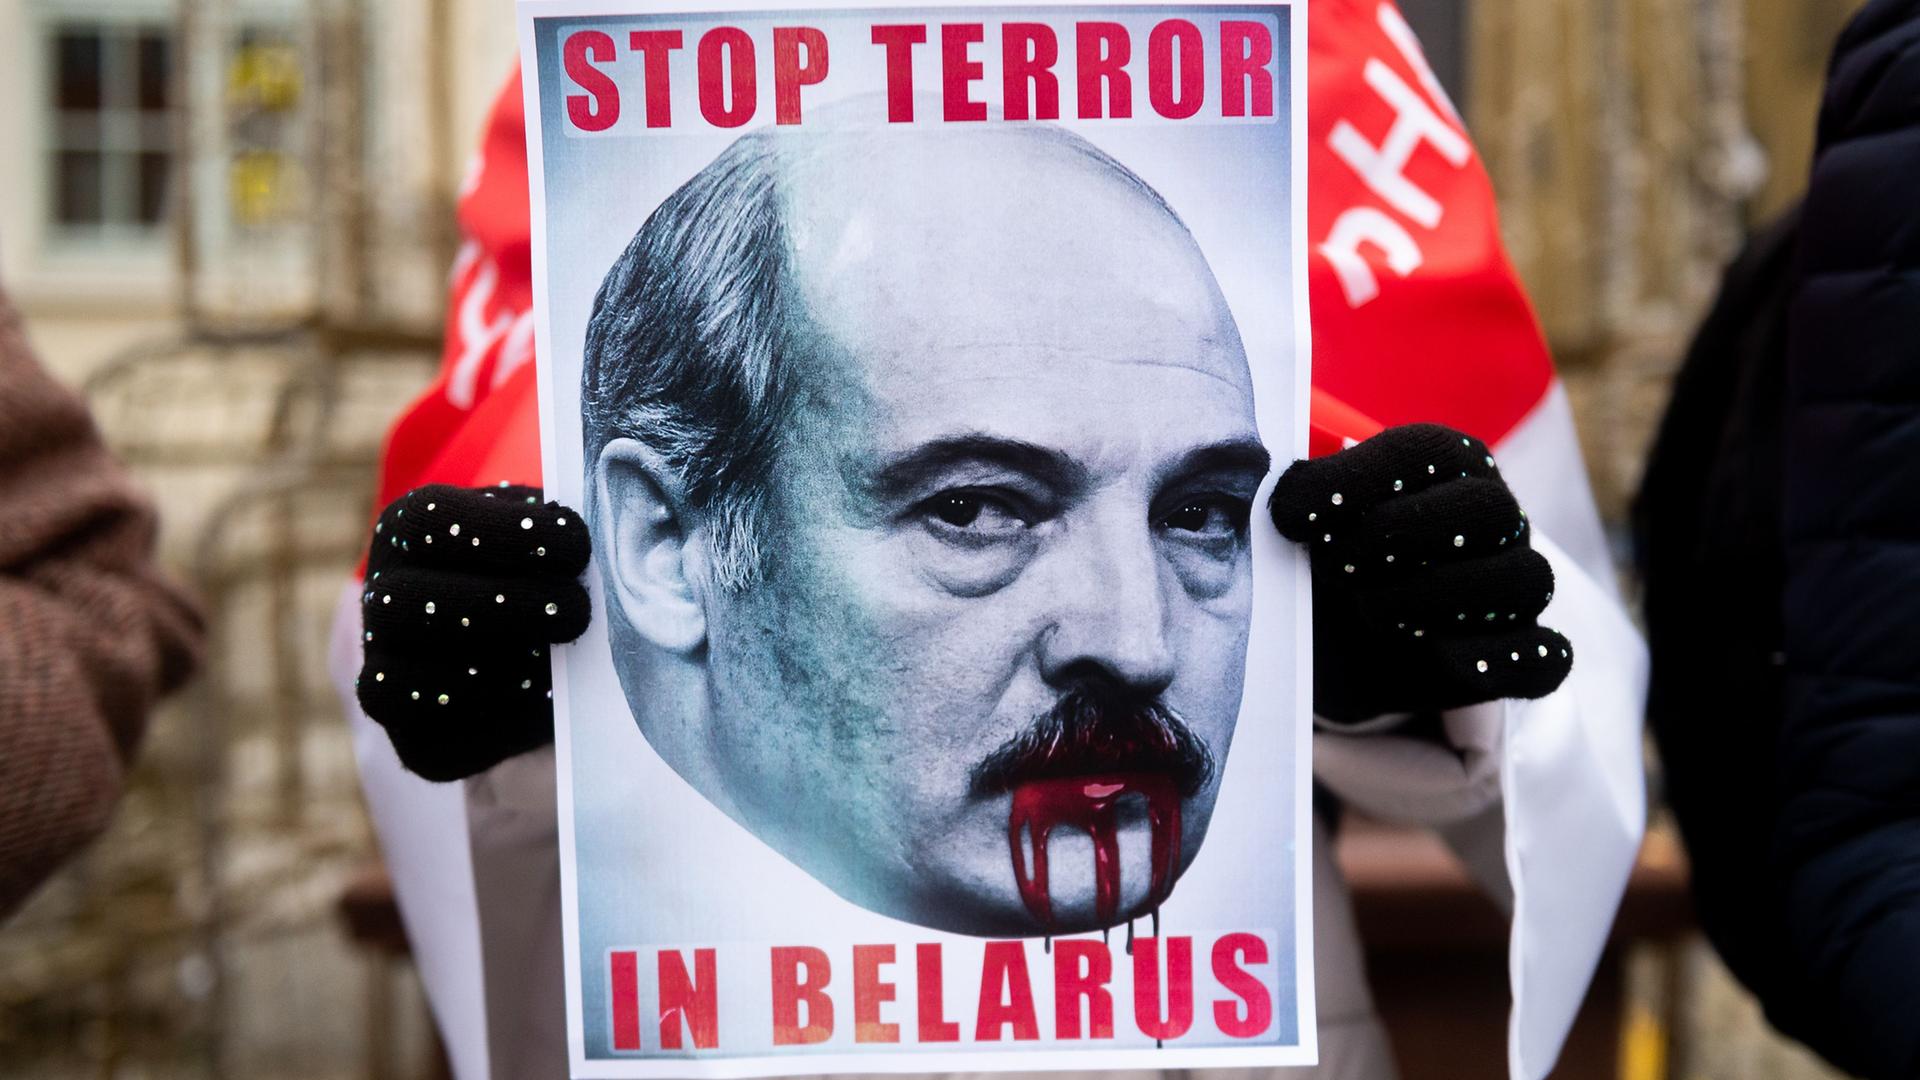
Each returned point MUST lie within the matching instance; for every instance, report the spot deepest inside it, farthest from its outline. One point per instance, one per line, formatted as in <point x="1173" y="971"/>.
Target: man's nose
<point x="1112" y="613"/>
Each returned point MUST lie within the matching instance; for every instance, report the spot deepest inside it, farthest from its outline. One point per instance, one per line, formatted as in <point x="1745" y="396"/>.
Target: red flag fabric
<point x="1417" y="314"/>
<point x="478" y="423"/>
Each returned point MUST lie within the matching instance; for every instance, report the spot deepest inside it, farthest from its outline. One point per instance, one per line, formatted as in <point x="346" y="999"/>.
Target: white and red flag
<point x="1417" y="315"/>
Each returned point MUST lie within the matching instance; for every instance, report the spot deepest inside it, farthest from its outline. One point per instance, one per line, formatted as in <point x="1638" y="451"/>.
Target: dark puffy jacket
<point x="1848" y="837"/>
<point x="1780" y="536"/>
<point x="1707" y="527"/>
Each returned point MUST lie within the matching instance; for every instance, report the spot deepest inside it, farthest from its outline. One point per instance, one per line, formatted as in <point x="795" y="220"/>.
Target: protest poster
<point x="921" y="374"/>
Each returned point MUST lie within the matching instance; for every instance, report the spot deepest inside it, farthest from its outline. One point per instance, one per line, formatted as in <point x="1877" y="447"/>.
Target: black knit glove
<point x="466" y="589"/>
<point x="1425" y="589"/>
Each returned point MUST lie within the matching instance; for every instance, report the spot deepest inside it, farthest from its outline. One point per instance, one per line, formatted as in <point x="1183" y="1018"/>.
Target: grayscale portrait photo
<point x="919" y="465"/>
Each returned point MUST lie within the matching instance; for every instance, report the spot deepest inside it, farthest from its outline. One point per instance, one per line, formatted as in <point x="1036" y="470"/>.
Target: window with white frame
<point x="110" y="140"/>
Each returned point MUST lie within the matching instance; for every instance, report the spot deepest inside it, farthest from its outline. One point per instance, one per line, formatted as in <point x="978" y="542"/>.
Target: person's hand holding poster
<point x="920" y="374"/>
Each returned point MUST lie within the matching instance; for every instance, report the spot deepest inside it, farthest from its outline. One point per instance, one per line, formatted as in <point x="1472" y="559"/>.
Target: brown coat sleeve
<point x="90" y="635"/>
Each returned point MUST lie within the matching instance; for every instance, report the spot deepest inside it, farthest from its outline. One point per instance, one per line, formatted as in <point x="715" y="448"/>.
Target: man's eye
<point x="959" y="511"/>
<point x="1205" y="519"/>
<point x="973" y="515"/>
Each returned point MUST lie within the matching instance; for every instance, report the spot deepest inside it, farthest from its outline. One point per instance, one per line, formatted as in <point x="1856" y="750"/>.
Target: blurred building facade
<point x="230" y="220"/>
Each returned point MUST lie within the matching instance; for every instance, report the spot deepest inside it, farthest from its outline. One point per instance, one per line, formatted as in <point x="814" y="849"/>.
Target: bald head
<point x="854" y="262"/>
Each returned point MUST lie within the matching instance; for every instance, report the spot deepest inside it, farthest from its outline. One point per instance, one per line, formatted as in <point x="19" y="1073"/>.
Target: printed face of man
<point x="1006" y="577"/>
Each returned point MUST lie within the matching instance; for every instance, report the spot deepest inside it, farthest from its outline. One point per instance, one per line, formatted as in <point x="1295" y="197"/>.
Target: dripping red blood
<point x="1091" y="804"/>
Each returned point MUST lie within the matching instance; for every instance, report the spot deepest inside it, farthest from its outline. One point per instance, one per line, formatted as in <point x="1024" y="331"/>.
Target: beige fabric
<point x="1353" y="1045"/>
<point x="1415" y="780"/>
<point x="1450" y="784"/>
<point x="514" y="832"/>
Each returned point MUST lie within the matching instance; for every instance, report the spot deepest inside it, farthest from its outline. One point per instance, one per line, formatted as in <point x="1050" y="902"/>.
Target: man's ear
<point x="649" y="546"/>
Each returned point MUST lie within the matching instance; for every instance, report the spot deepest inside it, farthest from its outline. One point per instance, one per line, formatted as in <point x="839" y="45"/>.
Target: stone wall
<point x="1631" y="145"/>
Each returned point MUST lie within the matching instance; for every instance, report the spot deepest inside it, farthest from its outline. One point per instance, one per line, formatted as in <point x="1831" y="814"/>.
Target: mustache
<point x="1089" y="731"/>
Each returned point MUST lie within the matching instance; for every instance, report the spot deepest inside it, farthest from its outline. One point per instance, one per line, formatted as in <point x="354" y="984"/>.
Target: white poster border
<point x="1306" y="1051"/>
